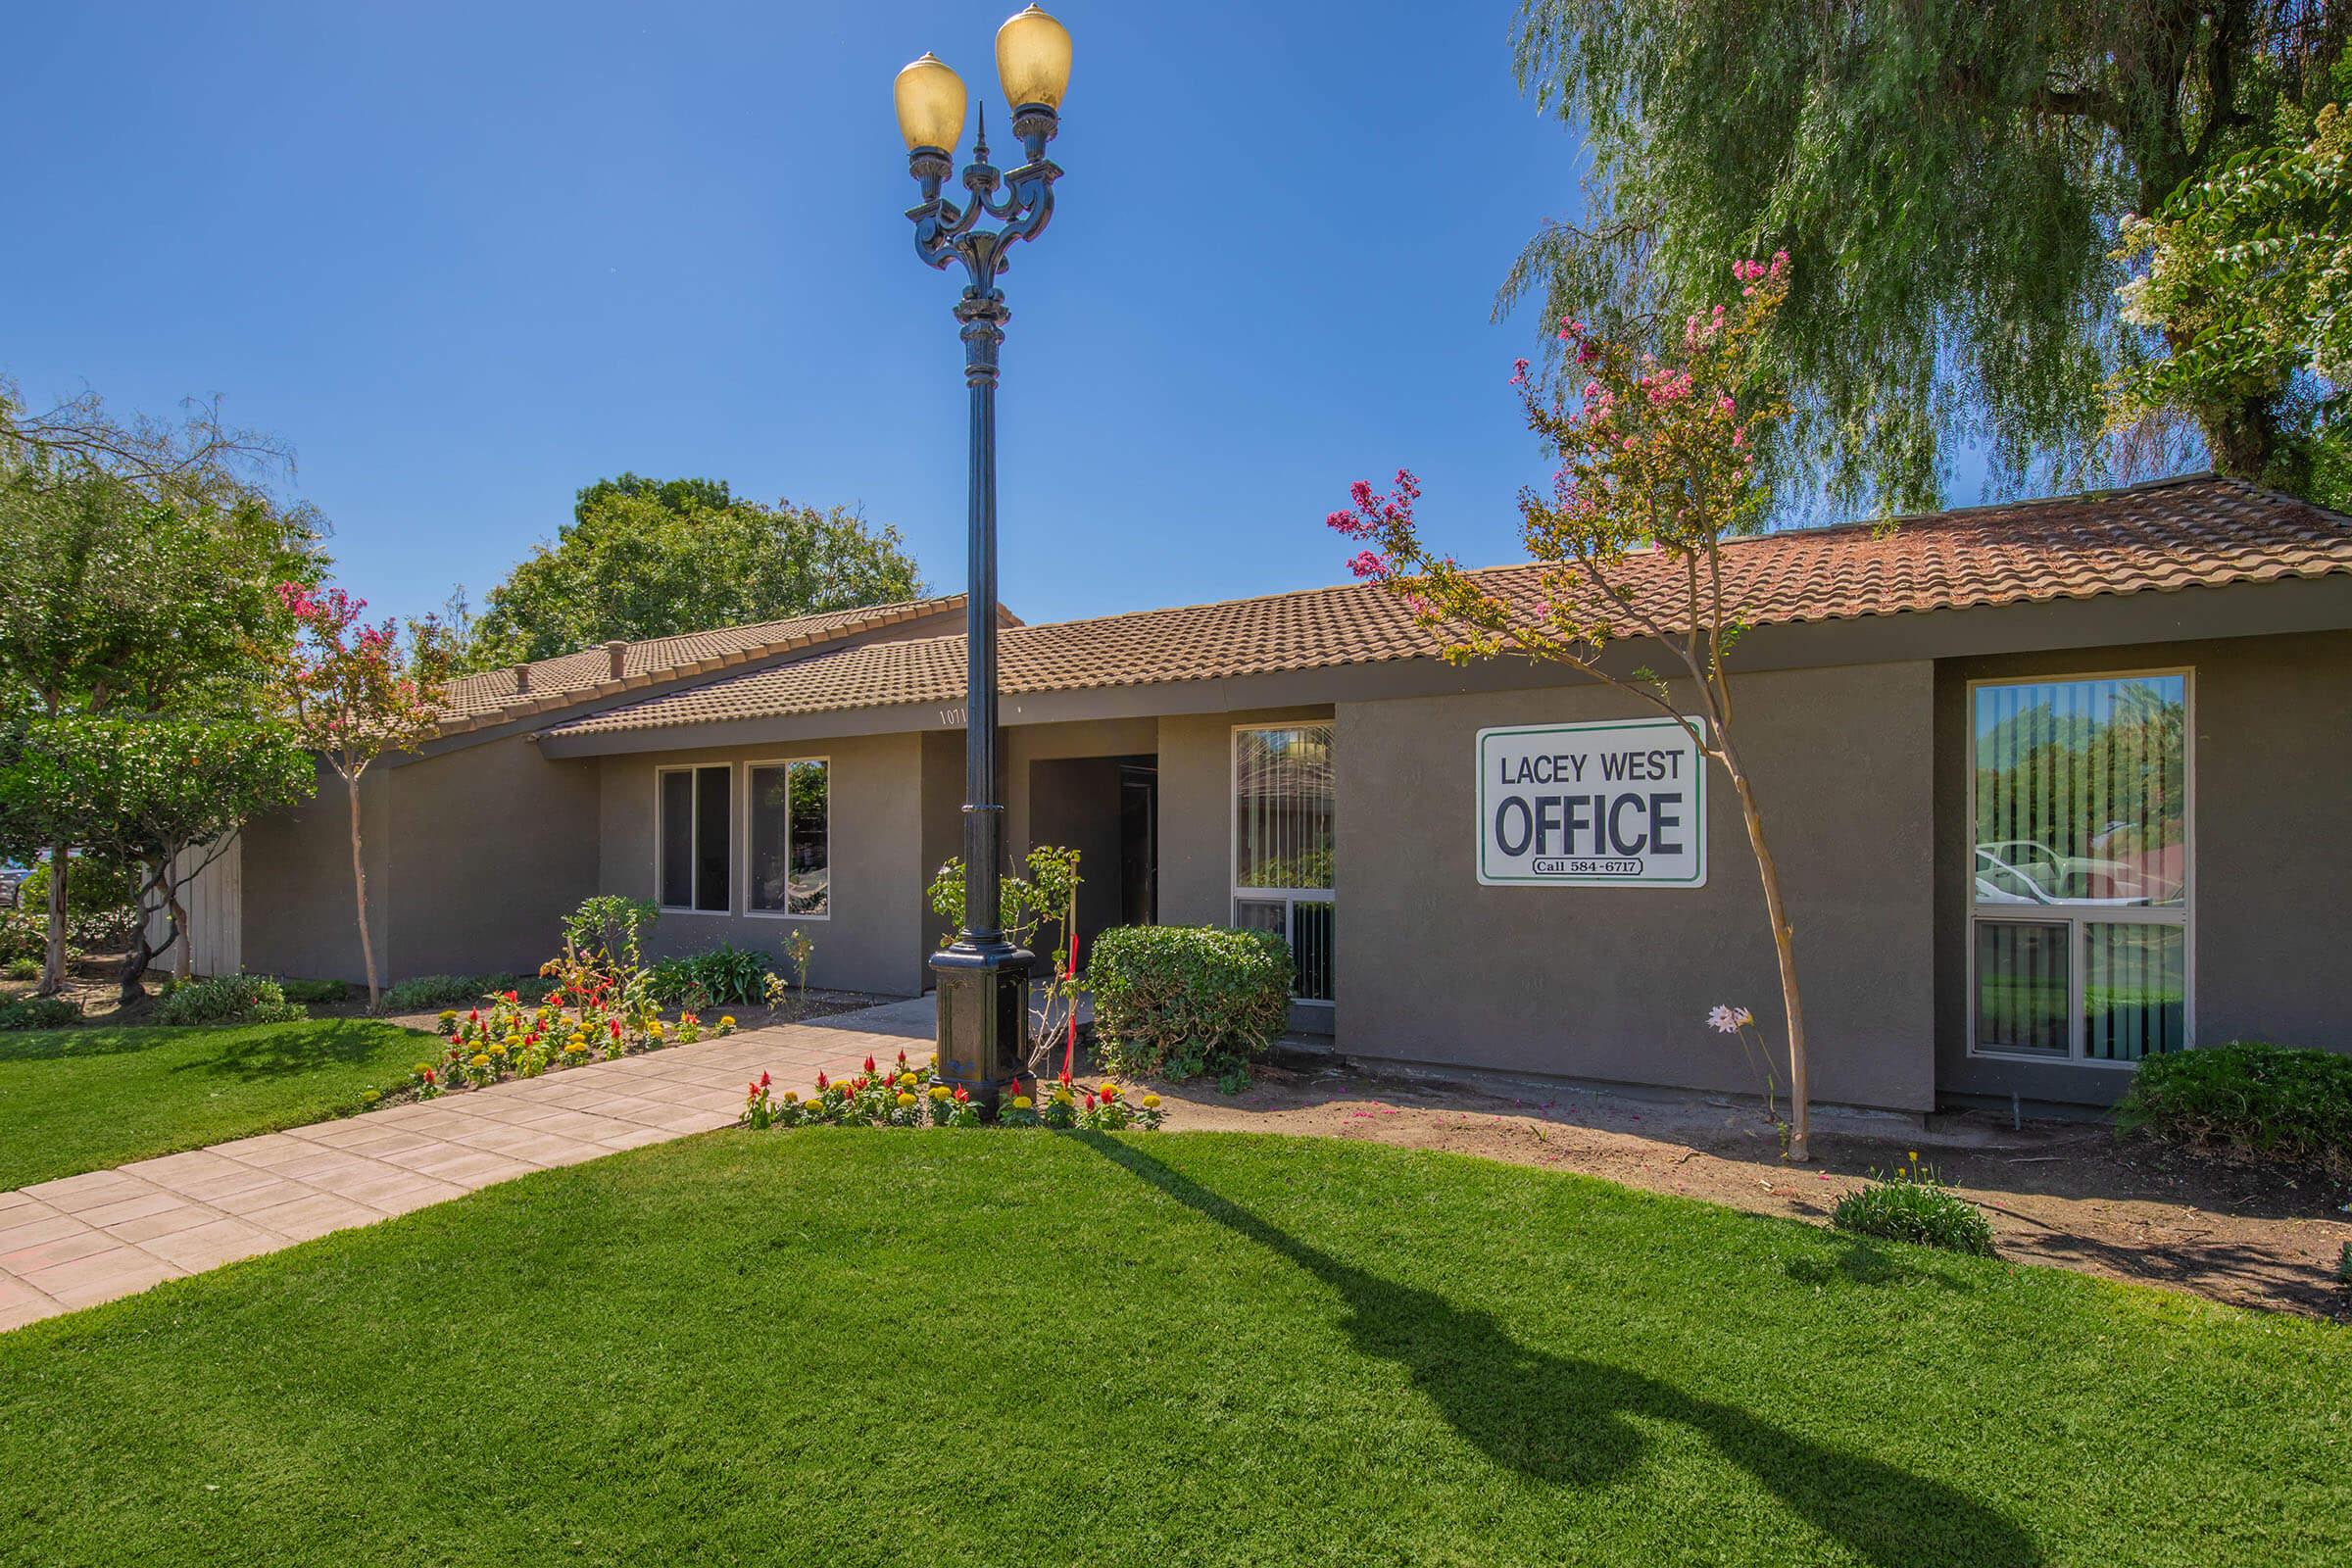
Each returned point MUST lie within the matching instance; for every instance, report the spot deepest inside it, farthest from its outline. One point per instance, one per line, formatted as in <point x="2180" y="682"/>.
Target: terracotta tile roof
<point x="497" y="696"/>
<point x="2178" y="534"/>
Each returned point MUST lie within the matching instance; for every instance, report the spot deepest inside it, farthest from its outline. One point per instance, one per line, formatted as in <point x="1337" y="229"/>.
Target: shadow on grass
<point x="1572" y="1422"/>
<point x="57" y="1045"/>
<point x="288" y="1051"/>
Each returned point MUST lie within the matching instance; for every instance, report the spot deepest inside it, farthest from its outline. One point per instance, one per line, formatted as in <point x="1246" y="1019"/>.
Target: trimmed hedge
<point x="1179" y="1000"/>
<point x="2281" y="1104"/>
<point x="228" y="999"/>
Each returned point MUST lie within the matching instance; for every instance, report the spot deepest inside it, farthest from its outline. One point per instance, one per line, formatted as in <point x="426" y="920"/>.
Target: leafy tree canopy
<point x="2249" y="276"/>
<point x="649" y="558"/>
<point x="1950" y="182"/>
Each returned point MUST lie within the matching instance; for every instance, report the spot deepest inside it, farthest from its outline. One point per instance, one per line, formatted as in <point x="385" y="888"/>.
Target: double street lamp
<point x="983" y="979"/>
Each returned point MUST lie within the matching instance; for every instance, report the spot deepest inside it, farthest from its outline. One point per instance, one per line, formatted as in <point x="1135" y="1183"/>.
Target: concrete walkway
<point x="81" y="1240"/>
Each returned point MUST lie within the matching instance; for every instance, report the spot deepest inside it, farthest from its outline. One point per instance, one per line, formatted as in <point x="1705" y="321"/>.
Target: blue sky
<point x="466" y="259"/>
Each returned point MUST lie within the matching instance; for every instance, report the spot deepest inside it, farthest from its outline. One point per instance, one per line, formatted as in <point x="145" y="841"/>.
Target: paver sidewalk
<point x="81" y="1240"/>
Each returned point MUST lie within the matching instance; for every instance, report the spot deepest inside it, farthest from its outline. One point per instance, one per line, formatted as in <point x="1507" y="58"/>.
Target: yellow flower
<point x="905" y="1099"/>
<point x="576" y="1048"/>
<point x="939" y="1091"/>
<point x="1063" y="1096"/>
<point x="1021" y="1103"/>
<point x="727" y="1018"/>
<point x="790" y="1099"/>
<point x="1914" y="1157"/>
<point x="480" y="1060"/>
<point x="654" y="1029"/>
<point x="1151" y="1102"/>
<point x="498" y="1050"/>
<point x="907" y="1078"/>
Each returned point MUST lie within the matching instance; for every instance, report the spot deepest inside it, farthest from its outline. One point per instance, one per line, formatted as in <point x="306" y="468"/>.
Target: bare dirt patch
<point x="2069" y="1194"/>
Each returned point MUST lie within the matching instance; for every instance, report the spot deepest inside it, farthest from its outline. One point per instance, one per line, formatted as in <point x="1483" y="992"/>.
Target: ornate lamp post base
<point x="983" y="1017"/>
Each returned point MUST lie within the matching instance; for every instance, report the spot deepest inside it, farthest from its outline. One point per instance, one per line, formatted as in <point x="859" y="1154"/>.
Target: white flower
<point x="1746" y="1017"/>
<point x="1724" y="1020"/>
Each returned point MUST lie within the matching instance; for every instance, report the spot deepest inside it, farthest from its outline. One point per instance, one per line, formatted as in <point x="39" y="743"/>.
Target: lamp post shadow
<point x="1573" y="1422"/>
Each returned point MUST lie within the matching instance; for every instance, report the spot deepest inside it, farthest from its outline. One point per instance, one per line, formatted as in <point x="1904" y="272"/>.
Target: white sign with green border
<point x="1622" y="803"/>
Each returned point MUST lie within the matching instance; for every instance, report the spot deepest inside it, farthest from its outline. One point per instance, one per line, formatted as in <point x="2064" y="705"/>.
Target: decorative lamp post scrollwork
<point x="983" y="979"/>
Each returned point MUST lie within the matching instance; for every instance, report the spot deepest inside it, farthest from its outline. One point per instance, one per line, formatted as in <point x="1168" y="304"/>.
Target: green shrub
<point x="1179" y="1000"/>
<point x="316" y="993"/>
<point x="24" y="934"/>
<point x="38" y="1012"/>
<point x="713" y="977"/>
<point x="1917" y="1208"/>
<point x="428" y="993"/>
<point x="228" y="999"/>
<point x="2275" y="1103"/>
<point x="25" y="968"/>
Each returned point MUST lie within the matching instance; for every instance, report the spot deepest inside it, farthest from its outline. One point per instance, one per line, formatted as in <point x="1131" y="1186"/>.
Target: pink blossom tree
<point x="352" y="696"/>
<point x="1657" y="445"/>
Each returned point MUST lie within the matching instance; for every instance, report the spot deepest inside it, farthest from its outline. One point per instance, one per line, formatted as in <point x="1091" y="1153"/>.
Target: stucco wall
<point x="2272" y="851"/>
<point x="298" y="918"/>
<point x="496" y="845"/>
<point x="1614" y="984"/>
<point x="870" y="940"/>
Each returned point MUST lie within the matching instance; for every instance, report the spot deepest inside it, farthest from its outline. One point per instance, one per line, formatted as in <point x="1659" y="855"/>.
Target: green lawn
<point x="76" y="1100"/>
<point x="848" y="1347"/>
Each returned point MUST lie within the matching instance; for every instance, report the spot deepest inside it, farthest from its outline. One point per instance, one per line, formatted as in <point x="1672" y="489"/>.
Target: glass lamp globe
<point x="930" y="101"/>
<point x="1033" y="59"/>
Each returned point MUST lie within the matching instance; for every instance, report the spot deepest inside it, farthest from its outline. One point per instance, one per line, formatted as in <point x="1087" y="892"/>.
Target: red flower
<point x="902" y="1059"/>
<point x="869" y="1064"/>
<point x="821" y="1083"/>
<point x="513" y="996"/>
<point x="1065" y="1076"/>
<point x="429" y="1075"/>
<point x="1090" y="1099"/>
<point x="963" y="1093"/>
<point x="764" y="1080"/>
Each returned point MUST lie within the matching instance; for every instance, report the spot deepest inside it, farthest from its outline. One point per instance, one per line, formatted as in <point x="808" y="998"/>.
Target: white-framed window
<point x="2081" y="874"/>
<point x="693" y="815"/>
<point x="1283" y="845"/>
<point x="788" y="839"/>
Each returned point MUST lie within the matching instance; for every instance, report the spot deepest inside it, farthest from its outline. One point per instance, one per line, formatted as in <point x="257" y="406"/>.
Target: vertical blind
<point x="2080" y="866"/>
<point x="1281" y="807"/>
<point x="2083" y="788"/>
<point x="1283" y="845"/>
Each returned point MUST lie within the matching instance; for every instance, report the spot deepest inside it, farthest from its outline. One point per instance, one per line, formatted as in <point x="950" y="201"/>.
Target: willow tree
<point x="1950" y="182"/>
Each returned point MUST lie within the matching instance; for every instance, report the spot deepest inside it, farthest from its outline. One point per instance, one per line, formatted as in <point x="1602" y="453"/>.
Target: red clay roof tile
<point x="2179" y="533"/>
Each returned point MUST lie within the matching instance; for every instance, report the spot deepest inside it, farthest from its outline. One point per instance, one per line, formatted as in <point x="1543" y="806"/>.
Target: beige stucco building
<point x="2052" y="785"/>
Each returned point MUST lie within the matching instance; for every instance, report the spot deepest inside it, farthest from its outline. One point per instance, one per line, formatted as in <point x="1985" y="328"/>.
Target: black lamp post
<point x="983" y="978"/>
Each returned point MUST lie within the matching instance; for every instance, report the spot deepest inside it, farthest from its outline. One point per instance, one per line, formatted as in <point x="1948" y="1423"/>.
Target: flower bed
<point x="515" y="1039"/>
<point x="909" y="1096"/>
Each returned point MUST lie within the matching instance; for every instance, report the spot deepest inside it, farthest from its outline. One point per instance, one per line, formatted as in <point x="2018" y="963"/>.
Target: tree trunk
<point x="359" y="885"/>
<point x="53" y="955"/>
<point x="141" y="954"/>
<point x="184" y="964"/>
<point x="1784" y="942"/>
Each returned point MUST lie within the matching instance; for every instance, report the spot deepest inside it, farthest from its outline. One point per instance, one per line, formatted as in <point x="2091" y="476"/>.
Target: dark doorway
<point x="1139" y="843"/>
<point x="1108" y="810"/>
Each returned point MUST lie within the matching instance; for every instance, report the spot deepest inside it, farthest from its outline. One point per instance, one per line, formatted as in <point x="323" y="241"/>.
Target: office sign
<point x="1617" y="803"/>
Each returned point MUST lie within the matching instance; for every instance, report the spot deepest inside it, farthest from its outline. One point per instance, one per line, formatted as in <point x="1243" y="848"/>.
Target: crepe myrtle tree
<point x="354" y="694"/>
<point x="1657" y="468"/>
